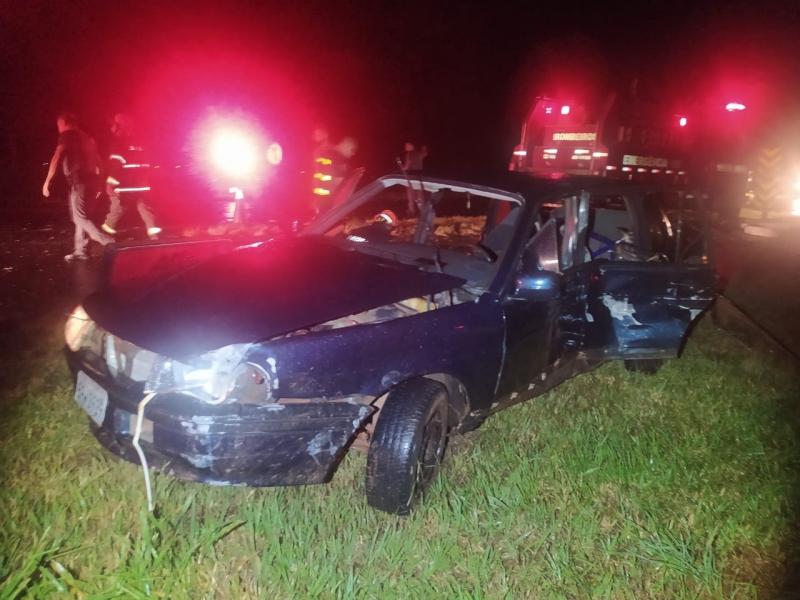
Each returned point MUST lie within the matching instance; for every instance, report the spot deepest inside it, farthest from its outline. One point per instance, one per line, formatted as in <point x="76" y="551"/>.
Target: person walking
<point x="77" y="153"/>
<point x="127" y="170"/>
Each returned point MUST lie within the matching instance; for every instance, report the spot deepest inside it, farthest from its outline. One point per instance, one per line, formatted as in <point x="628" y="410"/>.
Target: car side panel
<point x="465" y="341"/>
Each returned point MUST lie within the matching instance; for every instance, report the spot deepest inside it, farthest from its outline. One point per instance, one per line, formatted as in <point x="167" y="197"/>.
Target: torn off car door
<point x="642" y="309"/>
<point x="626" y="308"/>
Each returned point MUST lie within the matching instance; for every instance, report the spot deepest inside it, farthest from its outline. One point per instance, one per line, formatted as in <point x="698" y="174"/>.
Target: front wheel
<point x="407" y="446"/>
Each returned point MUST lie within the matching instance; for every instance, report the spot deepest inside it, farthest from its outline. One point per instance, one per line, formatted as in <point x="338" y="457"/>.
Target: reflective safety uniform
<point x="329" y="171"/>
<point x="322" y="183"/>
<point x="128" y="180"/>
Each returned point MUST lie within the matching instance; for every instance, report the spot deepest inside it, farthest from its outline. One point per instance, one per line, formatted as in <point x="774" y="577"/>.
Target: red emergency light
<point x="734" y="106"/>
<point x="682" y="121"/>
<point x="234" y="152"/>
<point x="274" y="153"/>
<point x="232" y="149"/>
<point x="565" y="109"/>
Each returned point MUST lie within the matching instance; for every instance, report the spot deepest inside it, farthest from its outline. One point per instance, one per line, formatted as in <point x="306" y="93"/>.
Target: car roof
<point x="534" y="188"/>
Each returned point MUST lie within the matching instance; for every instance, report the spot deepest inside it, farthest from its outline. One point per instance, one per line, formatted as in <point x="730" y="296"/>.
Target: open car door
<point x="637" y="297"/>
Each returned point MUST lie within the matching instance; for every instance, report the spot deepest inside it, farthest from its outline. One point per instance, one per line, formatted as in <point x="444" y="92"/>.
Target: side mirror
<point x="537" y="286"/>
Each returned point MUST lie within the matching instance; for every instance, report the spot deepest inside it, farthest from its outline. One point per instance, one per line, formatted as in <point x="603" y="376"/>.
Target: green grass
<point x="614" y="485"/>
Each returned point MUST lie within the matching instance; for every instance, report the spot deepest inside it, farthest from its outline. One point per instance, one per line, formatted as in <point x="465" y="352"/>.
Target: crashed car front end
<point x="217" y="420"/>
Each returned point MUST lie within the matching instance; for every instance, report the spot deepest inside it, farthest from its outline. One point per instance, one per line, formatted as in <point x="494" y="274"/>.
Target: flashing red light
<point x="565" y="109"/>
<point x="232" y="149"/>
<point x="274" y="153"/>
<point x="682" y="121"/>
<point x="234" y="152"/>
<point x="734" y="106"/>
<point x="548" y="110"/>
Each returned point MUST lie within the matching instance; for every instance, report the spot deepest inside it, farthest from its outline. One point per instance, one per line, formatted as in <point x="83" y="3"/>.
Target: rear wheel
<point x="407" y="447"/>
<point x="648" y="366"/>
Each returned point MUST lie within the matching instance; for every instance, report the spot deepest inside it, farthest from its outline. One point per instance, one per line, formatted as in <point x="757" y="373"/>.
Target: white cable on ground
<point x="139" y="418"/>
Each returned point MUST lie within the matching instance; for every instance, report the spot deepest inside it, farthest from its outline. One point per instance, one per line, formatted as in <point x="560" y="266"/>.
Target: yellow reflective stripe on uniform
<point x="321" y="191"/>
<point x="118" y="157"/>
<point x="111" y="181"/>
<point x="322" y="176"/>
<point x="324" y="161"/>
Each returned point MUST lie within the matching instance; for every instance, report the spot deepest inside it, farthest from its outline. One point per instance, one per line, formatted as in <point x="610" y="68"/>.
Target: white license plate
<point x="91" y="397"/>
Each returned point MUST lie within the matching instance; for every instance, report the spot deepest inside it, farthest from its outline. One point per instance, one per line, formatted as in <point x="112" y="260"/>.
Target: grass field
<point x="615" y="485"/>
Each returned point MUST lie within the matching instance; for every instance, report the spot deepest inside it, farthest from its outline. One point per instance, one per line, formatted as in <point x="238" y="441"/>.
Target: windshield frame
<point x="327" y="220"/>
<point x="322" y="224"/>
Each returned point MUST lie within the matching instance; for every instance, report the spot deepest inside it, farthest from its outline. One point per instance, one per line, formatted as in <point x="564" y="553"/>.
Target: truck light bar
<point x="520" y="153"/>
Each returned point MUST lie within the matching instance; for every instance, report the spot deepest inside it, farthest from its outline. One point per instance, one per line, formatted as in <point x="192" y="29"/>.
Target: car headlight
<point x="217" y="377"/>
<point x="77" y="328"/>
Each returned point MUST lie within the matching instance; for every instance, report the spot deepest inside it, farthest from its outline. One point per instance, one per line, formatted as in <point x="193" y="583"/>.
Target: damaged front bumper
<point x="294" y="442"/>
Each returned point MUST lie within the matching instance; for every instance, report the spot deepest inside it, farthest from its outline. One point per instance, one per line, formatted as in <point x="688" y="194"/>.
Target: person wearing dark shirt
<point x="413" y="158"/>
<point x="128" y="171"/>
<point x="77" y="154"/>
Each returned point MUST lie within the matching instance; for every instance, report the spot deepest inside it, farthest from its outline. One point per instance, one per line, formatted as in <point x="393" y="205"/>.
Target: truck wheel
<point x="648" y="366"/>
<point x="407" y="446"/>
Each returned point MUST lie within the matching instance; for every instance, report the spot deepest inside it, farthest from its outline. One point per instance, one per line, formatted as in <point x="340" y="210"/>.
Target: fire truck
<point x="711" y="146"/>
<point x="618" y="137"/>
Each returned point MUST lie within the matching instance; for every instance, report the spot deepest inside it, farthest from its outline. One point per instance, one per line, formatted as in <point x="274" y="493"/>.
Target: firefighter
<point x="127" y="178"/>
<point x="330" y="167"/>
<point x="378" y="230"/>
<point x="322" y="169"/>
<point x="77" y="154"/>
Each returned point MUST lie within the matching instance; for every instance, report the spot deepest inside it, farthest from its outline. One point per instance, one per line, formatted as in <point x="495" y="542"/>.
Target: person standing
<point x="323" y="169"/>
<point x="77" y="153"/>
<point x="413" y="158"/>
<point x="127" y="171"/>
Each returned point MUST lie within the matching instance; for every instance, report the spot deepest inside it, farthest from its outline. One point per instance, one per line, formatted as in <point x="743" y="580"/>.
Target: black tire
<point x="648" y="366"/>
<point x="407" y="446"/>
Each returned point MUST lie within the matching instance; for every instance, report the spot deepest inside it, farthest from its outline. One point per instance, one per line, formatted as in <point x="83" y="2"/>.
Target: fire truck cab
<point x="620" y="137"/>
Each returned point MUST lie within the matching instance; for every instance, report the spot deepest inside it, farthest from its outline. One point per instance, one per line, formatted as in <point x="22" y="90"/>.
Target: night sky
<point x="456" y="76"/>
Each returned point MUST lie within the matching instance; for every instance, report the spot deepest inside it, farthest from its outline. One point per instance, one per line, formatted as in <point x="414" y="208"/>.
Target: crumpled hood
<point x="255" y="293"/>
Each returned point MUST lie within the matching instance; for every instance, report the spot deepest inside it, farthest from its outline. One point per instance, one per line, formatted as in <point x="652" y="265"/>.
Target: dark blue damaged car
<point x="410" y="312"/>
